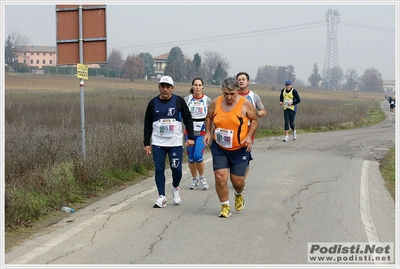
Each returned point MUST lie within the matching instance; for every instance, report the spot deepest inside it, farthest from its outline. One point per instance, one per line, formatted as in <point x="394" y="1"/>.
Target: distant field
<point x="69" y="83"/>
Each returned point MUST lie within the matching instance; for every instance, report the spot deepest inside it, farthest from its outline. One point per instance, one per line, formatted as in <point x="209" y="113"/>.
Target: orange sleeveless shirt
<point x="230" y="127"/>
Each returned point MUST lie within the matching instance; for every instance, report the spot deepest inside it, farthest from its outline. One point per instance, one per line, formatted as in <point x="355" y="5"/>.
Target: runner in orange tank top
<point x="228" y="118"/>
<point x="230" y="128"/>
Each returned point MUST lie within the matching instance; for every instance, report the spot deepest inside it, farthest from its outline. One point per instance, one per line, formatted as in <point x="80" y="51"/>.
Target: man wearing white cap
<point x="163" y="135"/>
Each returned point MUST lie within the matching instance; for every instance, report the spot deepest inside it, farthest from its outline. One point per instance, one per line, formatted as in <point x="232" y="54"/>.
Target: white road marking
<point x="368" y="222"/>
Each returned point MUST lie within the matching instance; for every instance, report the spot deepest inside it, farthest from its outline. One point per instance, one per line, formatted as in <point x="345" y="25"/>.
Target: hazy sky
<point x="248" y="35"/>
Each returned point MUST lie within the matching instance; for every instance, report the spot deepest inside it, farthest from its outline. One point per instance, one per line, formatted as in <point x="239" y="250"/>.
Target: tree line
<point x="334" y="78"/>
<point x="213" y="67"/>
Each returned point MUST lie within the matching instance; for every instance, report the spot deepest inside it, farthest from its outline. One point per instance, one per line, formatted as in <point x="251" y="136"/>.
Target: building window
<point x="44" y="61"/>
<point x="24" y="53"/>
<point x="44" y="53"/>
<point x="31" y="61"/>
<point x="51" y="54"/>
<point x="24" y="61"/>
<point x="51" y="61"/>
<point x="37" y="61"/>
<point x="31" y="53"/>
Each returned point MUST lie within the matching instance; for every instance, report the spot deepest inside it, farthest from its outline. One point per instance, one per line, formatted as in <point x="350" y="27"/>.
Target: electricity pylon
<point x="330" y="76"/>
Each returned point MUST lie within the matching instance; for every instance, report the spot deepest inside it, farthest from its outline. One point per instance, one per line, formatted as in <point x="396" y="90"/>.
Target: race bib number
<point x="224" y="137"/>
<point x="166" y="127"/>
<point x="197" y="109"/>
<point x="287" y="103"/>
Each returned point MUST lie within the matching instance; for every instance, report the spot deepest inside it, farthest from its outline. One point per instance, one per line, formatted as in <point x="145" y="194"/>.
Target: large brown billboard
<point x="93" y="34"/>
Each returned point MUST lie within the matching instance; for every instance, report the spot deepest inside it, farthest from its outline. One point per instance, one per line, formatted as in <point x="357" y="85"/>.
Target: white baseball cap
<point x="166" y="80"/>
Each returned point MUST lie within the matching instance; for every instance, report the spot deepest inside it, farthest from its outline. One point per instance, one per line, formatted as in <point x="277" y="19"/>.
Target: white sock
<point x="239" y="193"/>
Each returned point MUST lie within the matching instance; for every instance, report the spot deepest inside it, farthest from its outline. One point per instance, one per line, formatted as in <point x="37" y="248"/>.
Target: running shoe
<point x="160" y="202"/>
<point x="286" y="139"/>
<point x="176" y="196"/>
<point x="194" y="184"/>
<point x="204" y="184"/>
<point x="239" y="201"/>
<point x="294" y="135"/>
<point x="225" y="211"/>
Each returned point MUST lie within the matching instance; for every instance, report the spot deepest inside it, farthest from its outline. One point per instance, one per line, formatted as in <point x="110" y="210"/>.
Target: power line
<point x="228" y="37"/>
<point x="248" y="34"/>
<point x="368" y="26"/>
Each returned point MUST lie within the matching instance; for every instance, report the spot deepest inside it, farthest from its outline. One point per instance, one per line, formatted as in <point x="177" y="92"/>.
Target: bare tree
<point x="266" y="75"/>
<point x="14" y="43"/>
<point x="351" y="79"/>
<point x="371" y="81"/>
<point x="210" y="64"/>
<point x="133" y="67"/>
<point x="333" y="78"/>
<point x="285" y="73"/>
<point x="115" y="62"/>
<point x="19" y="41"/>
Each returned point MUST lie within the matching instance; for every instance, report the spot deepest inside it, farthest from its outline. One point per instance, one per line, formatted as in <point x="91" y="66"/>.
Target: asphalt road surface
<point x="322" y="187"/>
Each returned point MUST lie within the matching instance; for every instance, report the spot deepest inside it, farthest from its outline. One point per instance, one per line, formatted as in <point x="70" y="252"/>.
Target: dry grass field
<point x="64" y="83"/>
<point x="71" y="84"/>
<point x="68" y="83"/>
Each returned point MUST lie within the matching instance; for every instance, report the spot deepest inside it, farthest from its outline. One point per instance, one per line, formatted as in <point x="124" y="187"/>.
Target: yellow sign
<point x="82" y="71"/>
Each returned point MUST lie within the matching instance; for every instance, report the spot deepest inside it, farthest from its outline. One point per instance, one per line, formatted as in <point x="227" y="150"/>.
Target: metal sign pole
<point x="81" y="29"/>
<point x="82" y="83"/>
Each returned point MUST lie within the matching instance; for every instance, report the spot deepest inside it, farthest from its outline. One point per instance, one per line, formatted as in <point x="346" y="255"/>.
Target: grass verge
<point x="387" y="167"/>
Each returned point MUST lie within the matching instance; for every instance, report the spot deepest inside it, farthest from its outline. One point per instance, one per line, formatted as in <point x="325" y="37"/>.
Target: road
<point x="323" y="187"/>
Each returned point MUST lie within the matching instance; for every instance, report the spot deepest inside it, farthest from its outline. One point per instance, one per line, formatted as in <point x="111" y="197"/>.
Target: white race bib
<point x="166" y="127"/>
<point x="224" y="137"/>
<point x="287" y="103"/>
<point x="197" y="109"/>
